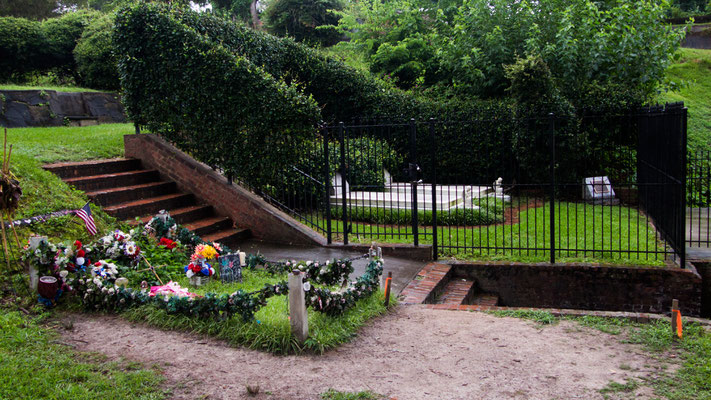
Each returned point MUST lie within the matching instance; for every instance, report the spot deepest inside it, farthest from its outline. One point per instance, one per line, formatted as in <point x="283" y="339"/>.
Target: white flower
<point x="103" y="290"/>
<point x="63" y="273"/>
<point x="80" y="261"/>
<point x="190" y="273"/>
<point x="309" y="263"/>
<point x="97" y="282"/>
<point x="322" y="271"/>
<point x="111" y="291"/>
<point x="89" y="290"/>
<point x="68" y="252"/>
<point x="307" y="286"/>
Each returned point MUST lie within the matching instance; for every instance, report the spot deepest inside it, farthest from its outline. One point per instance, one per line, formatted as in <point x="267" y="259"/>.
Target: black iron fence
<point x="698" y="194"/>
<point x="604" y="187"/>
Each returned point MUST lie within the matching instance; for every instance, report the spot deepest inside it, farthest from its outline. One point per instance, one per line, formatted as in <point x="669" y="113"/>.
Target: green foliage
<point x="539" y="316"/>
<point x="30" y="9"/>
<point x="32" y="46"/>
<point x="332" y="394"/>
<point x="94" y="56"/>
<point x="41" y="367"/>
<point x="395" y="216"/>
<point x="205" y="99"/>
<point x="309" y="21"/>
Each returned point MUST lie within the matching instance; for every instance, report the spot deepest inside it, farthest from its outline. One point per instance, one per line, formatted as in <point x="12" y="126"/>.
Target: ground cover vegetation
<point x="692" y="380"/>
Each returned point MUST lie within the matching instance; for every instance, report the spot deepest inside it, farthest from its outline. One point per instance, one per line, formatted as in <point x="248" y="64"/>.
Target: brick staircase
<point x="436" y="284"/>
<point x="126" y="190"/>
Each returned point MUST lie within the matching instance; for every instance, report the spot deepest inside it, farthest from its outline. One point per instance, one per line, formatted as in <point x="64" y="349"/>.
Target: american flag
<point x="85" y="214"/>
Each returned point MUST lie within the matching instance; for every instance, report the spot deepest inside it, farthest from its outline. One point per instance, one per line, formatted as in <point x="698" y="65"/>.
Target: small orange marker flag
<point x="676" y="319"/>
<point x="679" y="329"/>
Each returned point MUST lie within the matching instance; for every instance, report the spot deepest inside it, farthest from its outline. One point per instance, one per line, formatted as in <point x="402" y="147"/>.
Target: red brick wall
<point x="587" y="286"/>
<point x="244" y="207"/>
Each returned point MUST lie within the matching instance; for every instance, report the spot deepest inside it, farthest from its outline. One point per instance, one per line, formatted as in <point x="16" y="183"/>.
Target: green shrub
<point x="220" y="107"/>
<point x="394" y="216"/>
<point x="35" y="47"/>
<point x="94" y="56"/>
<point x="306" y="21"/>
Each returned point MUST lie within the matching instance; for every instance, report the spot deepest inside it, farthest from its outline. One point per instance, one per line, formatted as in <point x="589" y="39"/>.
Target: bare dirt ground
<point x="410" y="354"/>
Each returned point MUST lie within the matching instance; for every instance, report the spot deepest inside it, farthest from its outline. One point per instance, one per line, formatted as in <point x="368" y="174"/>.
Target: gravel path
<point x="410" y="354"/>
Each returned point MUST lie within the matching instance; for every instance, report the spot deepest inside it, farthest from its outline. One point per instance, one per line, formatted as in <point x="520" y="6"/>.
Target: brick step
<point x="206" y="226"/>
<point x="113" y="180"/>
<point x="181" y="215"/>
<point x="88" y="168"/>
<point x="428" y="284"/>
<point x="122" y="194"/>
<point x="457" y="291"/>
<point x="150" y="205"/>
<point x="229" y="237"/>
<point x="484" y="299"/>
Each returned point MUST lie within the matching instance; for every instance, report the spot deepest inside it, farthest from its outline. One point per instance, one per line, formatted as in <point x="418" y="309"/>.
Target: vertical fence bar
<point x="327" y="186"/>
<point x="344" y="194"/>
<point x="551" y="132"/>
<point x="413" y="179"/>
<point x="433" y="155"/>
<point x="682" y="215"/>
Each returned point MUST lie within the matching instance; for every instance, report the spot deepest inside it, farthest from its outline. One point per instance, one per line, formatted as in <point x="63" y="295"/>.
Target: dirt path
<point x="410" y="354"/>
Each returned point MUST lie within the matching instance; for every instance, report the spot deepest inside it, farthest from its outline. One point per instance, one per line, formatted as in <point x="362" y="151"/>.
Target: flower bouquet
<point x="199" y="270"/>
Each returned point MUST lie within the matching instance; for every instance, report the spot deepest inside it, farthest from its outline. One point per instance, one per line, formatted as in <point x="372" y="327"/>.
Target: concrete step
<point x="122" y="194"/>
<point x="182" y="215"/>
<point x="113" y="180"/>
<point x="98" y="167"/>
<point x="484" y="299"/>
<point x="209" y="225"/>
<point x="457" y="291"/>
<point x="149" y="205"/>
<point x="229" y="237"/>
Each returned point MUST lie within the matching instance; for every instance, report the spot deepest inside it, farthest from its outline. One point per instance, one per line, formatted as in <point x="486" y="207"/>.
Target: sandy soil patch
<point x="409" y="354"/>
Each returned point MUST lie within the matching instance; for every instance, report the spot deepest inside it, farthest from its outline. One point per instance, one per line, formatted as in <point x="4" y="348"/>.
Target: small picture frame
<point x="230" y="269"/>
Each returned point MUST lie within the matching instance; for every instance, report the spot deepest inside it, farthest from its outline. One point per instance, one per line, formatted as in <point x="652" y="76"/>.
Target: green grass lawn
<point x="12" y="86"/>
<point x="693" y="71"/>
<point x="693" y="353"/>
<point x="37" y="366"/>
<point x="607" y="229"/>
<point x="270" y="330"/>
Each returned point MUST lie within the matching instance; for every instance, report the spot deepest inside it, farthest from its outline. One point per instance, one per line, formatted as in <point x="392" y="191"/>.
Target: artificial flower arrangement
<point x="119" y="246"/>
<point x="199" y="267"/>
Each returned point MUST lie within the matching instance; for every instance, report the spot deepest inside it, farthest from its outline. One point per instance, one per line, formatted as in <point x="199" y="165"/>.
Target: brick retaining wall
<point x="244" y="207"/>
<point x="587" y="286"/>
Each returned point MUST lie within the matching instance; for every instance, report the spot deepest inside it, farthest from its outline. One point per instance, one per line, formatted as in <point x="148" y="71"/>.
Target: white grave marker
<point x="598" y="190"/>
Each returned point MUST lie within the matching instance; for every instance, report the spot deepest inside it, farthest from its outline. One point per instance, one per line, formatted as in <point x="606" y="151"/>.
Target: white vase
<point x="198" y="280"/>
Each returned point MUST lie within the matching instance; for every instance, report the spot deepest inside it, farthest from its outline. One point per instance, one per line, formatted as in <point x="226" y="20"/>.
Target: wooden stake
<point x="4" y="243"/>
<point x="152" y="269"/>
<point x="388" y="284"/>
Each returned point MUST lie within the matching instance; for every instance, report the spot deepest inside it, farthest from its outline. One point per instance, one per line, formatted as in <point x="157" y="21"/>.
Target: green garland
<point x="336" y="303"/>
<point x="332" y="272"/>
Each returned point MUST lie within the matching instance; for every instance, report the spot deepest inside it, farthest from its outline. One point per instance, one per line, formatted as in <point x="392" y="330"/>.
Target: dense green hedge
<point x="219" y="107"/>
<point x="456" y="217"/>
<point x="95" y="58"/>
<point x="39" y="46"/>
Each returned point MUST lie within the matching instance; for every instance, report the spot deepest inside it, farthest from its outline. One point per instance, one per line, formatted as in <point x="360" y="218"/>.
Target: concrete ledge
<point x="248" y="210"/>
<point x="400" y="250"/>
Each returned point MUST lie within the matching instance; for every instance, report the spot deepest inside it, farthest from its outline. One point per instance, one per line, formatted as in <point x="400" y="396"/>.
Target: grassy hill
<point x="692" y="71"/>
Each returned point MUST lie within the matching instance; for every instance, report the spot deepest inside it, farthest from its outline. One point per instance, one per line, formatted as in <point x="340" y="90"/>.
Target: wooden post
<point x="388" y="284"/>
<point x="34" y="274"/>
<point x="298" y="317"/>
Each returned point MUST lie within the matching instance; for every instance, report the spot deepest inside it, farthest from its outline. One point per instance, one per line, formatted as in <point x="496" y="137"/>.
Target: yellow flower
<point x="208" y="252"/>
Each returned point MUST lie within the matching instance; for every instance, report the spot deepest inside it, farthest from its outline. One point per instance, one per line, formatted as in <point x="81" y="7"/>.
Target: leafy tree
<point x="94" y="56"/>
<point x="30" y="9"/>
<point x="305" y="20"/>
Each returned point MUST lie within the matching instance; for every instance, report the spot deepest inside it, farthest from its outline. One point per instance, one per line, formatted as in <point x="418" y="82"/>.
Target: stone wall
<point x="587" y="286"/>
<point x="27" y="108"/>
<point x="244" y="207"/>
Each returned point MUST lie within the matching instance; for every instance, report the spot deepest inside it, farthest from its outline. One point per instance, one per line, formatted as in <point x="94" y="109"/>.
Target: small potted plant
<point x="199" y="270"/>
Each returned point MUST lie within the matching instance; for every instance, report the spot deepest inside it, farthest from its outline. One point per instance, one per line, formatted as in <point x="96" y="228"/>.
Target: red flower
<point x="169" y="244"/>
<point x="81" y="253"/>
<point x="77" y="244"/>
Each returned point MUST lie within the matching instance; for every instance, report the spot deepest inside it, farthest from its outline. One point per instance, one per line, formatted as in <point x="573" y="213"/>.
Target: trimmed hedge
<point x="32" y="46"/>
<point x="388" y="216"/>
<point x="95" y="58"/>
<point x="219" y="107"/>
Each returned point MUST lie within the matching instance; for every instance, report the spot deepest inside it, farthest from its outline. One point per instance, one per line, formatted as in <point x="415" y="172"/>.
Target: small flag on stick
<point x="85" y="214"/>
